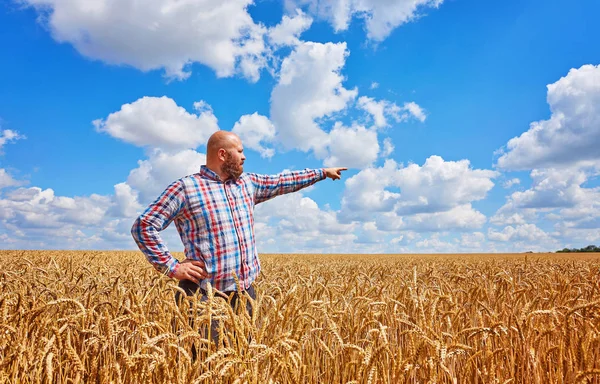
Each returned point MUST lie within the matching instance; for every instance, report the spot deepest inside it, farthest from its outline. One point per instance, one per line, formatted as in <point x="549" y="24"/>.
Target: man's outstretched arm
<point x="267" y="187"/>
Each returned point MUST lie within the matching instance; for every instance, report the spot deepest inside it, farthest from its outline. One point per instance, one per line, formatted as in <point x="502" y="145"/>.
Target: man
<point x="213" y="211"/>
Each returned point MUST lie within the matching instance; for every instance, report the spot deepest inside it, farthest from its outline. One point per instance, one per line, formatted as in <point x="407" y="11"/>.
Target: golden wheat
<point x="71" y="317"/>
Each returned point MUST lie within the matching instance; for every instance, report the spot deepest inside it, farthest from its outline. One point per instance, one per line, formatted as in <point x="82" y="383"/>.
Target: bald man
<point x="213" y="211"/>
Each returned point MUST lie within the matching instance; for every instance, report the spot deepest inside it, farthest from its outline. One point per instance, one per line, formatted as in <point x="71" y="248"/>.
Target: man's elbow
<point x="136" y="228"/>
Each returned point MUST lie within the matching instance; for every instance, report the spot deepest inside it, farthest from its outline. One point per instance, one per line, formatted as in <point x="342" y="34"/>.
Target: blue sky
<point x="468" y="126"/>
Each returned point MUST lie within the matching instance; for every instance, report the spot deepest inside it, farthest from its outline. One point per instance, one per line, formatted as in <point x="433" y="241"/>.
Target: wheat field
<point x="108" y="317"/>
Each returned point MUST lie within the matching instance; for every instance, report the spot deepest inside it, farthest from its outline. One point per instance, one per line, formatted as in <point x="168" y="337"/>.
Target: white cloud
<point x="440" y="185"/>
<point x="366" y="192"/>
<point x="558" y="193"/>
<point x="153" y="175"/>
<point x="524" y="232"/>
<point x="553" y="188"/>
<point x="388" y="147"/>
<point x="460" y="218"/>
<point x="9" y="136"/>
<point x="6" y="180"/>
<point x="380" y="111"/>
<point x="415" y="110"/>
<point x="473" y="240"/>
<point x="509" y="183"/>
<point x="126" y="201"/>
<point x="563" y="157"/>
<point x="509" y="219"/>
<point x="155" y="34"/>
<point x="286" y="33"/>
<point x="36" y="208"/>
<point x="352" y="147"/>
<point x="295" y="223"/>
<point x="381" y="16"/>
<point x="434" y="244"/>
<point x="301" y="214"/>
<point x="433" y="197"/>
<point x="374" y="85"/>
<point x="160" y="123"/>
<point x="571" y="135"/>
<point x="256" y="131"/>
<point x="37" y="218"/>
<point x="309" y="88"/>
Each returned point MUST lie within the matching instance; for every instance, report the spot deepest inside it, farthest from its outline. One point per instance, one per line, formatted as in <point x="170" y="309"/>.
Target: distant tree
<point x="589" y="248"/>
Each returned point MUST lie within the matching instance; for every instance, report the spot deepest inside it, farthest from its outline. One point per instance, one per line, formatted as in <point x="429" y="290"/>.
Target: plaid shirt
<point x="215" y="221"/>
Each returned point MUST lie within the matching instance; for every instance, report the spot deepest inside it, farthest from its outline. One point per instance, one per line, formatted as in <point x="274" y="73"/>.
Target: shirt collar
<point x="209" y="173"/>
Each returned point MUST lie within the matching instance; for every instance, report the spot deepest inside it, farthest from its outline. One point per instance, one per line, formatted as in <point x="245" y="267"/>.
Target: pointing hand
<point x="334" y="173"/>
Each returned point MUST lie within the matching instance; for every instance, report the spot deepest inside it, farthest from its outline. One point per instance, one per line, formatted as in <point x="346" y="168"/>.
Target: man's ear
<point x="222" y="154"/>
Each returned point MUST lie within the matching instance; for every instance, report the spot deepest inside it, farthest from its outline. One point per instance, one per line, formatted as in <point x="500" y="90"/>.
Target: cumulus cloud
<point x="415" y="110"/>
<point x="473" y="240"/>
<point x="381" y="16"/>
<point x="524" y="232"/>
<point x="310" y="94"/>
<point x="460" y="218"/>
<point x="388" y="147"/>
<point x="287" y="32"/>
<point x="158" y="122"/>
<point x="440" y="185"/>
<point x="6" y="180"/>
<point x="36" y="218"/>
<point x="562" y="154"/>
<point x="161" y="168"/>
<point x="571" y="135"/>
<point x="435" y="244"/>
<point x="509" y="183"/>
<point x="367" y="191"/>
<point x="382" y="110"/>
<point x="501" y="218"/>
<point x="36" y="208"/>
<point x="9" y="136"/>
<point x="160" y="34"/>
<point x="295" y="223"/>
<point x="559" y="194"/>
<point x="352" y="147"/>
<point x="126" y="202"/>
<point x="256" y="132"/>
<point x="432" y="197"/>
<point x="309" y="88"/>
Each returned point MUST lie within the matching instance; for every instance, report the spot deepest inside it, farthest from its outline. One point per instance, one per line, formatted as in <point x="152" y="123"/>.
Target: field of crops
<point x="108" y="317"/>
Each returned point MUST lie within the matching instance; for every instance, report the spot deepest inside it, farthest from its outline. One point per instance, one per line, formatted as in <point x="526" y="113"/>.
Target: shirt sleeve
<point x="158" y="216"/>
<point x="268" y="186"/>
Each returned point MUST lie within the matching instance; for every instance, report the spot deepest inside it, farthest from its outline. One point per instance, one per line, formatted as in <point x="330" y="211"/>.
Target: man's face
<point x="233" y="166"/>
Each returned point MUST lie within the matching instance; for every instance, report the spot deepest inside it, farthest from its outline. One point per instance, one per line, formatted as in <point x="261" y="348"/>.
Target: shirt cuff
<point x="171" y="266"/>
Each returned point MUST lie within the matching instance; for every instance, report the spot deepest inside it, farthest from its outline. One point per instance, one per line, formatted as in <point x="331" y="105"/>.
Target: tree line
<point x="589" y="248"/>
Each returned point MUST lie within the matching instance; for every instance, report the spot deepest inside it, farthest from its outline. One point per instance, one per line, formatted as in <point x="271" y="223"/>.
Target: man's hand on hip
<point x="193" y="270"/>
<point x="334" y="173"/>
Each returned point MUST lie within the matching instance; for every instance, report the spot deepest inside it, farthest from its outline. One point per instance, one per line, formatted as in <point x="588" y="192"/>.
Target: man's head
<point x="225" y="154"/>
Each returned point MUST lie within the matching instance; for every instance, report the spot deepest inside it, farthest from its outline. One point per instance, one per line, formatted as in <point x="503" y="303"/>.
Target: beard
<point x="232" y="168"/>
